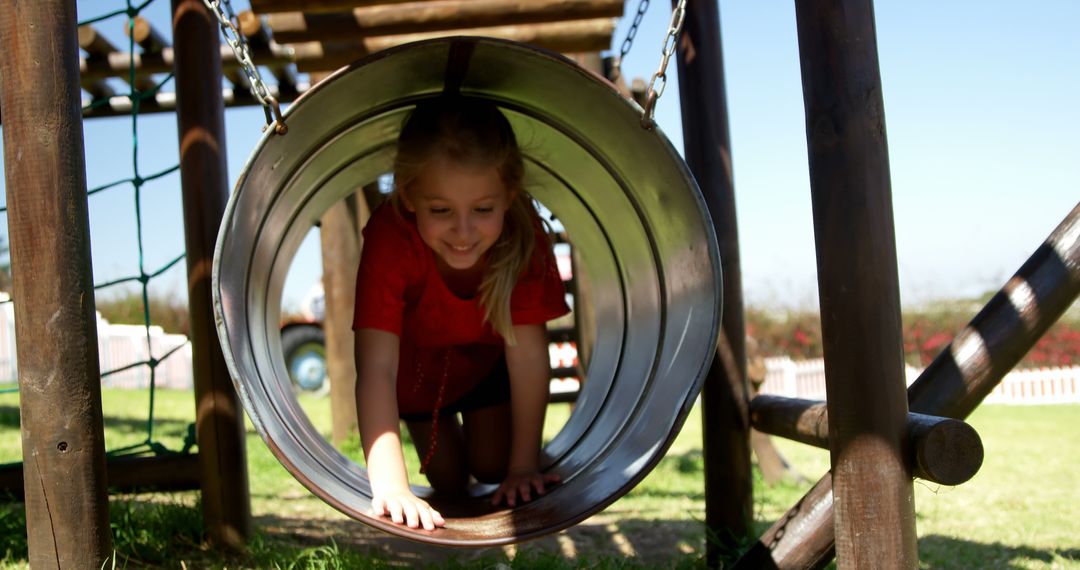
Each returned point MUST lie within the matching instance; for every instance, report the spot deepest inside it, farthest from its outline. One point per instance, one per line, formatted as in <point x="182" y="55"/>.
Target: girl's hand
<point x="522" y="484"/>
<point x="405" y="508"/>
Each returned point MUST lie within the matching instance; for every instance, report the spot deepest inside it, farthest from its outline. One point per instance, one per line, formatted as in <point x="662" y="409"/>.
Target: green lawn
<point x="1018" y="512"/>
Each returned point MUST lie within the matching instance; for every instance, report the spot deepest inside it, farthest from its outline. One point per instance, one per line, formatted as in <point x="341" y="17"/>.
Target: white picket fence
<point x="119" y="346"/>
<point x="122" y="345"/>
<point x="806" y="379"/>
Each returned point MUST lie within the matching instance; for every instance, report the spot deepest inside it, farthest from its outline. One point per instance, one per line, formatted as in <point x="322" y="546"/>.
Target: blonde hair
<point x="473" y="132"/>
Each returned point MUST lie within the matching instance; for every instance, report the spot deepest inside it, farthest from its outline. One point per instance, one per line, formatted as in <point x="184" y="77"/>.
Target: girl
<point x="456" y="281"/>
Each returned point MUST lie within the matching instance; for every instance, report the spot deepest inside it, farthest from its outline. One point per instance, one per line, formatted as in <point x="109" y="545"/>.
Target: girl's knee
<point x="448" y="481"/>
<point x="493" y="474"/>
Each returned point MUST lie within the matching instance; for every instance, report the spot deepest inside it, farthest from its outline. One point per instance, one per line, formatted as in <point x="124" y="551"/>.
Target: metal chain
<point x="678" y="16"/>
<point x="629" y="41"/>
<point x="236" y="40"/>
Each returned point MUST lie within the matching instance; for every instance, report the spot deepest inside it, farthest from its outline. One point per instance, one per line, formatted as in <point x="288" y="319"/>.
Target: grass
<point x="1018" y="512"/>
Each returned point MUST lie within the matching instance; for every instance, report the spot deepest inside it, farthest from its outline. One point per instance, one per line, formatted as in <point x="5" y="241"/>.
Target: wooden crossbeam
<point x="97" y="47"/>
<point x="946" y="451"/>
<point x="440" y="15"/>
<point x="116" y="64"/>
<point x="149" y="39"/>
<point x="165" y="102"/>
<point x="259" y="40"/>
<point x="577" y="36"/>
<point x="100" y="50"/>
<point x="315" y="6"/>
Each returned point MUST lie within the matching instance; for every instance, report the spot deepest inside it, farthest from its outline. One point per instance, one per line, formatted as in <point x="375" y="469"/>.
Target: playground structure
<point x="65" y="491"/>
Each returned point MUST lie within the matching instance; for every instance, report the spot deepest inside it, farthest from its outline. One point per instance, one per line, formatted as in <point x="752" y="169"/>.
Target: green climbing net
<point x="137" y="181"/>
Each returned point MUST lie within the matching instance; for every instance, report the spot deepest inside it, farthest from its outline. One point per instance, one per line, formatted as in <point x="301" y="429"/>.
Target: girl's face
<point x="459" y="210"/>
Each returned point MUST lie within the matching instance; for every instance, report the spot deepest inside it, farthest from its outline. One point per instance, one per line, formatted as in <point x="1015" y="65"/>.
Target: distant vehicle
<point x="303" y="343"/>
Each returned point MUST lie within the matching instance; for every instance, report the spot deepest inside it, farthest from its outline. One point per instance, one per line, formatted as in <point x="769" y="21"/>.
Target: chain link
<point x="678" y="17"/>
<point x="227" y="18"/>
<point x="616" y="70"/>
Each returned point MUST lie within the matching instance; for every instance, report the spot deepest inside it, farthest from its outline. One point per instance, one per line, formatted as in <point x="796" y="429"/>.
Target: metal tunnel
<point x="629" y="205"/>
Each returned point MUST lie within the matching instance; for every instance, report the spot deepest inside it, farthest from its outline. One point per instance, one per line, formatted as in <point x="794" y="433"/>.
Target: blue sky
<point x="982" y="118"/>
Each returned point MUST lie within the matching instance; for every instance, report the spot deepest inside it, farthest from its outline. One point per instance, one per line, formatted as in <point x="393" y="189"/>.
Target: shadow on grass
<point x="9" y="417"/>
<point x="621" y="543"/>
<point x="945" y="552"/>
<point x="125" y="425"/>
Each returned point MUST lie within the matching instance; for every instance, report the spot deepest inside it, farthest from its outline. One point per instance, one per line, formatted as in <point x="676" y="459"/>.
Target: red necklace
<point x="434" y="443"/>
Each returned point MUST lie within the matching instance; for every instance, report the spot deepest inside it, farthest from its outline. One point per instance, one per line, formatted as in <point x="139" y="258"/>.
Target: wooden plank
<point x="419" y="17"/>
<point x="583" y="35"/>
<point x="956" y="381"/>
<point x="725" y="397"/>
<point x="63" y="443"/>
<point x="316" y="6"/>
<point x="204" y="184"/>
<point x="858" y="285"/>
<point x="579" y="36"/>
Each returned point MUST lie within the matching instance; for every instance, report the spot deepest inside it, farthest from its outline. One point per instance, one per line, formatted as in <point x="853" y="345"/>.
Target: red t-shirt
<point x="399" y="290"/>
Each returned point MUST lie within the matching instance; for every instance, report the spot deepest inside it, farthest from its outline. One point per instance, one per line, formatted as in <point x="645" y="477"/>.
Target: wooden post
<point x="953" y="385"/>
<point x="63" y="443"/>
<point x="341" y="240"/>
<point x="858" y="284"/>
<point x="728" y="476"/>
<point x="219" y="426"/>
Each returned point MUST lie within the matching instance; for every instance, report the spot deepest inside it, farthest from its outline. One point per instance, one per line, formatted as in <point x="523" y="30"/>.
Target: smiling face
<point x="459" y="210"/>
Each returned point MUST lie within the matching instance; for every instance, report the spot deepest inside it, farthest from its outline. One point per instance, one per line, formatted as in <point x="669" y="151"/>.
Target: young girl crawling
<point x="456" y="281"/>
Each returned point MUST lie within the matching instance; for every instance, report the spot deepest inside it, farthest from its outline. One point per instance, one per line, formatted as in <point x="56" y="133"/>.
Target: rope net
<point x="137" y="181"/>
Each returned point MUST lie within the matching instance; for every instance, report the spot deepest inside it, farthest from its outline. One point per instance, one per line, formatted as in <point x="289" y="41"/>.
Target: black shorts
<point x="492" y="391"/>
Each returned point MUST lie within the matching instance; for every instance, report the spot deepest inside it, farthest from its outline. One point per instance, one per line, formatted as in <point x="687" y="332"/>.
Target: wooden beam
<point x="583" y="35"/>
<point x="117" y="63"/>
<point x="441" y="15"/>
<point x="97" y="88"/>
<point x="99" y="49"/>
<point x="165" y="102"/>
<point x="943" y="450"/>
<point x="149" y="39"/>
<point x="259" y="41"/>
<point x="204" y="182"/>
<point x="129" y="474"/>
<point x="63" y="442"/>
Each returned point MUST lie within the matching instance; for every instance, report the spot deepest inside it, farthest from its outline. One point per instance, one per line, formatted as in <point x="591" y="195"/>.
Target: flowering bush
<point x="927" y="331"/>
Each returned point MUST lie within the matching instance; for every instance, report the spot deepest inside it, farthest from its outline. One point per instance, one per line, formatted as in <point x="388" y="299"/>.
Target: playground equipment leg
<point x="219" y="426"/>
<point x="726" y="416"/>
<point x="63" y="442"/>
<point x="858" y="284"/>
<point x="342" y="240"/>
